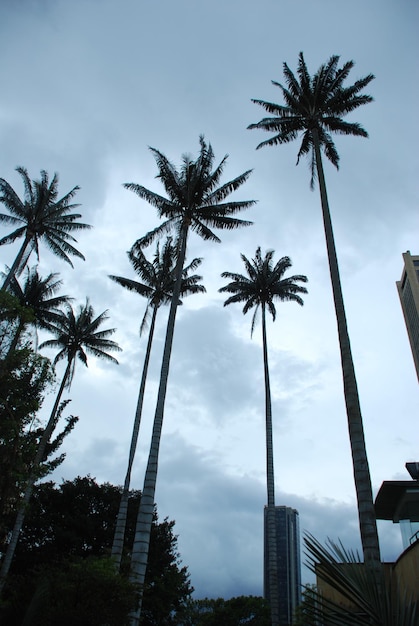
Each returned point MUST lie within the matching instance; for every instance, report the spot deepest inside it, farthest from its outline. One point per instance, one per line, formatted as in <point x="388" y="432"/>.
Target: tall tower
<point x="289" y="565"/>
<point x="408" y="288"/>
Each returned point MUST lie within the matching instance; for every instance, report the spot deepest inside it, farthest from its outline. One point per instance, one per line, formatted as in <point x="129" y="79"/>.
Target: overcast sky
<point x="87" y="86"/>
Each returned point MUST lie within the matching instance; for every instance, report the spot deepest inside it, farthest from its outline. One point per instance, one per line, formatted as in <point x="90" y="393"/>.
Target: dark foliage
<point x="75" y="592"/>
<point x="249" y="610"/>
<point x="67" y="529"/>
<point x="22" y="386"/>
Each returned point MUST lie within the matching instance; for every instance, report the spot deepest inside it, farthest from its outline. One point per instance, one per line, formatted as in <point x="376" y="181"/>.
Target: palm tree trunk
<point x="118" y="540"/>
<point x="39" y="457"/>
<point x="146" y="509"/>
<point x="16" y="337"/>
<point x="366" y="512"/>
<point x="270" y="479"/>
<point x="16" y="262"/>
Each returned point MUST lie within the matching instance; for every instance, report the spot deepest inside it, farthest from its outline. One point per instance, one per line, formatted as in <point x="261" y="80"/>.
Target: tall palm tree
<point x="157" y="286"/>
<point x="194" y="202"/>
<point x="263" y="284"/>
<point x="75" y="335"/>
<point x="39" y="216"/>
<point x="37" y="295"/>
<point x="315" y="106"/>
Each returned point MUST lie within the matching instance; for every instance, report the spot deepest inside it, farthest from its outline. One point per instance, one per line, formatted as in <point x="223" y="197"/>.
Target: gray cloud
<point x="88" y="86"/>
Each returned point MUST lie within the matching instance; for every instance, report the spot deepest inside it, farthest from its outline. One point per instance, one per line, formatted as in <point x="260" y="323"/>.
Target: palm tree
<point x="263" y="284"/>
<point x="194" y="202"/>
<point x="315" y="106"/>
<point x="157" y="287"/>
<point x="39" y="216"/>
<point x="38" y="296"/>
<point x="356" y="597"/>
<point x="75" y="335"/>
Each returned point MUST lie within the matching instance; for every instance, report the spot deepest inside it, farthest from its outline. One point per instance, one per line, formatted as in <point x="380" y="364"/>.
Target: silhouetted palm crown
<point x="41" y="215"/>
<point x="318" y="104"/>
<point x="263" y="284"/>
<point x="159" y="277"/>
<point x="38" y="294"/>
<point x="79" y="333"/>
<point x="193" y="201"/>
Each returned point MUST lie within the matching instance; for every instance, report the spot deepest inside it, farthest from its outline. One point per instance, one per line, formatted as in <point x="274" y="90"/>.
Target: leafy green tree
<point x="11" y="315"/>
<point x="75" y="335"/>
<point x="25" y="379"/>
<point x="82" y="591"/>
<point x="315" y="107"/>
<point x="264" y="283"/>
<point x="157" y="286"/>
<point x="194" y="202"/>
<point x="73" y="523"/>
<point x="23" y="385"/>
<point x="250" y="610"/>
<point x="40" y="216"/>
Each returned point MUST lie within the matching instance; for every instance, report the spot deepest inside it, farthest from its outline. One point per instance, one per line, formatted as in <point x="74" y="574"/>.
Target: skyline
<point x="112" y="93"/>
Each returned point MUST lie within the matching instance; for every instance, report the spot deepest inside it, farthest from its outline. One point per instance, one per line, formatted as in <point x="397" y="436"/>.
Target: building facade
<point x="289" y="564"/>
<point x="398" y="500"/>
<point x="408" y="288"/>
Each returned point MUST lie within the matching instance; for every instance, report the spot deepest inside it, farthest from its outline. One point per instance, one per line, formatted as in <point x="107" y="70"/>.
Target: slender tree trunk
<point x="14" y="341"/>
<point x="118" y="540"/>
<point x="270" y="481"/>
<point x="146" y="509"/>
<point x="16" y="262"/>
<point x="39" y="457"/>
<point x="366" y="512"/>
<point x="12" y="345"/>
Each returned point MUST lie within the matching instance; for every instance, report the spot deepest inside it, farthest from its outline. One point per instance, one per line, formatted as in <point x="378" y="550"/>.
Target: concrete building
<point x="289" y="564"/>
<point x="408" y="288"/>
<point x="397" y="500"/>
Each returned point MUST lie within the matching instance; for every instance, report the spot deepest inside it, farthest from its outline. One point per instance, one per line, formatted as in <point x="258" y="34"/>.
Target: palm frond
<point x="263" y="284"/>
<point x="42" y="217"/>
<point x="318" y="102"/>
<point x="132" y="285"/>
<point x="75" y="333"/>
<point x="225" y="190"/>
<point x="152" y="235"/>
<point x="159" y="276"/>
<point x="194" y="200"/>
<point x="366" y="596"/>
